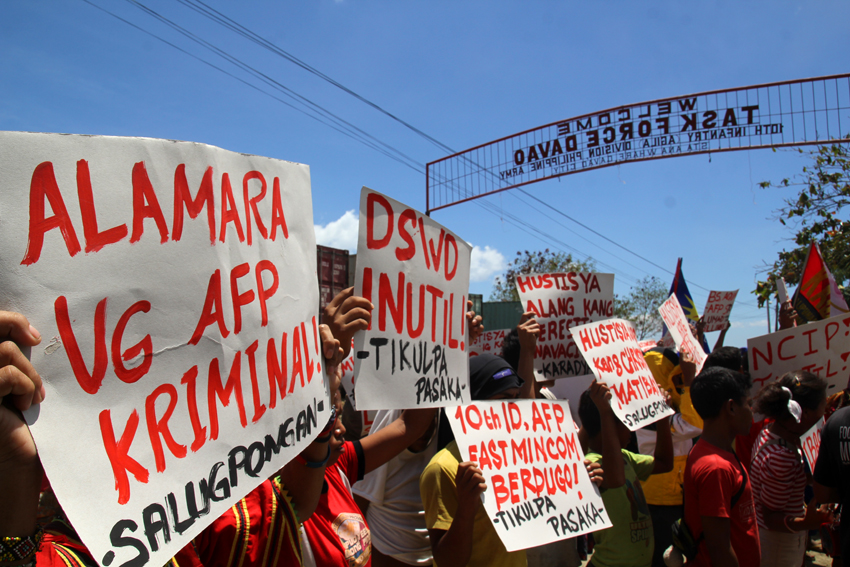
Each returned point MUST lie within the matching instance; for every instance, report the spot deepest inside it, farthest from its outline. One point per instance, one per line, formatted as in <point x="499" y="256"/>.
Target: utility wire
<point x="337" y="123"/>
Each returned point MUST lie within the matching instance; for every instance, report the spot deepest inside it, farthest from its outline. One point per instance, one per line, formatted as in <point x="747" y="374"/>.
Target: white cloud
<point x="341" y="233"/>
<point x="486" y="262"/>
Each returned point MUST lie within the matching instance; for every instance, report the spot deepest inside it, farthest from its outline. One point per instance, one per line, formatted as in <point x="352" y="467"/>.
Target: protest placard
<point x="174" y="285"/>
<point x="489" y="342"/>
<point x="646" y="346"/>
<point x="811" y="443"/>
<point x="416" y="274"/>
<point x="538" y="490"/>
<point x="559" y="302"/>
<point x="821" y="347"/>
<point x="611" y="350"/>
<point x="678" y="328"/>
<point x="781" y="291"/>
<point x="717" y="309"/>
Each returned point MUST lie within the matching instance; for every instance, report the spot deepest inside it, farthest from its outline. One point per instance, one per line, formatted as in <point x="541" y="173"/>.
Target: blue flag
<point x="680" y="288"/>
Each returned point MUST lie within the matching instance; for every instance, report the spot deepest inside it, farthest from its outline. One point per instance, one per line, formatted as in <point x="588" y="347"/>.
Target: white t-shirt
<point x="396" y="516"/>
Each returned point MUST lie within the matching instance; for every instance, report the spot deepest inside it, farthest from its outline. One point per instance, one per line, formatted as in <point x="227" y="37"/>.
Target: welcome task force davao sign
<point x="174" y="285"/>
<point x="809" y="111"/>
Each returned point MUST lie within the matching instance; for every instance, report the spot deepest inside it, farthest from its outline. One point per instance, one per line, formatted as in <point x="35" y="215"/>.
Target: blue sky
<point x="464" y="73"/>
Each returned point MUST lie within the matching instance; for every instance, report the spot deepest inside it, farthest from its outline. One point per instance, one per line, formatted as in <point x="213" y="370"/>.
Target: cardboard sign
<point x="416" y="274"/>
<point x="646" y="346"/>
<point x="489" y="342"/>
<point x="811" y="443"/>
<point x="781" y="291"/>
<point x="717" y="309"/>
<point x="678" y="328"/>
<point x="174" y="285"/>
<point x="611" y="349"/>
<point x="821" y="347"/>
<point x="560" y="302"/>
<point x="538" y="490"/>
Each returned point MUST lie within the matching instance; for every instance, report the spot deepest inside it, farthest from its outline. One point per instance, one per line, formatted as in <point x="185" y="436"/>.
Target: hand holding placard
<point x="528" y="453"/>
<point x="20" y="387"/>
<point x="179" y="350"/>
<point x="611" y="350"/>
<point x="345" y="315"/>
<point x="416" y="274"/>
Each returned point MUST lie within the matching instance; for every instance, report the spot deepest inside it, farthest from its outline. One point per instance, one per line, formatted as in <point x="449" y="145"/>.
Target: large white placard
<point x="559" y="302"/>
<point x="678" y="328"/>
<point x="717" y="309"/>
<point x="489" y="342"/>
<point x="416" y="274"/>
<point x="821" y="347"/>
<point x="538" y="490"/>
<point x="174" y="285"/>
<point x="611" y="349"/>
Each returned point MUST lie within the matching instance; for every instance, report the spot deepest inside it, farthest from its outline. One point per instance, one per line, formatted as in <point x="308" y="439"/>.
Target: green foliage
<point x="546" y="262"/>
<point x="641" y="307"/>
<point x="816" y="216"/>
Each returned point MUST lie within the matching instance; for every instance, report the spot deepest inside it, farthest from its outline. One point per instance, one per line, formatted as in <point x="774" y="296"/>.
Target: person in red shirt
<point x="719" y="507"/>
<point x="337" y="533"/>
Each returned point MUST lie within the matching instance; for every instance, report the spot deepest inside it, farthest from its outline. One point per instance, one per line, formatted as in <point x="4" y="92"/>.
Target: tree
<point x="546" y="262"/>
<point x="641" y="307"/>
<point x="816" y="216"/>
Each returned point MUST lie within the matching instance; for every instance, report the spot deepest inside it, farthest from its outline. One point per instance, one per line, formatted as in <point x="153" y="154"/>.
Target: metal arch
<point x="788" y="113"/>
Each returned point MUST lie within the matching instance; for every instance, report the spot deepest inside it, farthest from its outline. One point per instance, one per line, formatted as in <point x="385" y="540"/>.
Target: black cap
<point x="490" y="375"/>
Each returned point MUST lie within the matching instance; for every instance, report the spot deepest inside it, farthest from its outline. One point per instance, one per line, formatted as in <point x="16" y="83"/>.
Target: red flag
<point x="817" y="297"/>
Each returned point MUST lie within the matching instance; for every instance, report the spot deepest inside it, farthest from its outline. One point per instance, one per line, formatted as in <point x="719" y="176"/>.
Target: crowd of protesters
<point x="706" y="486"/>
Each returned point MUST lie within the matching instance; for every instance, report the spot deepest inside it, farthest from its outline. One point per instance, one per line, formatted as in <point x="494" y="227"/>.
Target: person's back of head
<point x="511" y="348"/>
<point x="805" y="388"/>
<point x="725" y="357"/>
<point x="591" y="421"/>
<point x="716" y="385"/>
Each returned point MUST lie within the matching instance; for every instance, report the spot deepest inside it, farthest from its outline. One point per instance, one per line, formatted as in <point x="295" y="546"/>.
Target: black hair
<point x="725" y="357"/>
<point x="714" y="386"/>
<point x="807" y="389"/>
<point x="589" y="415"/>
<point x="511" y="348"/>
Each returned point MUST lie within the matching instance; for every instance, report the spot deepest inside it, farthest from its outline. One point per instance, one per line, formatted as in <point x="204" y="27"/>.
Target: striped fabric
<point x="261" y="530"/>
<point x="777" y="476"/>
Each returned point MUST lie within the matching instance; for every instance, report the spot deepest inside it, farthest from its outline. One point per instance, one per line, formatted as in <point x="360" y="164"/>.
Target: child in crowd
<point x="794" y="404"/>
<point x="719" y="507"/>
<point x="629" y="542"/>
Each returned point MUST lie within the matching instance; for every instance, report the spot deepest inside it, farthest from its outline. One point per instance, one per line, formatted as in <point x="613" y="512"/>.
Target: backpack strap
<point x="744" y="479"/>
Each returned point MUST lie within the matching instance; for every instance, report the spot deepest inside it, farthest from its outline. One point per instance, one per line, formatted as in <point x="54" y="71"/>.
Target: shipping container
<point x="501" y="314"/>
<point x="332" y="267"/>
<point x="477" y="300"/>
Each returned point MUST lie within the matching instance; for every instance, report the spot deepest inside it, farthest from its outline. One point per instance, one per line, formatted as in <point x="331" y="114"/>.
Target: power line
<point x="202" y="8"/>
<point x="334" y="121"/>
